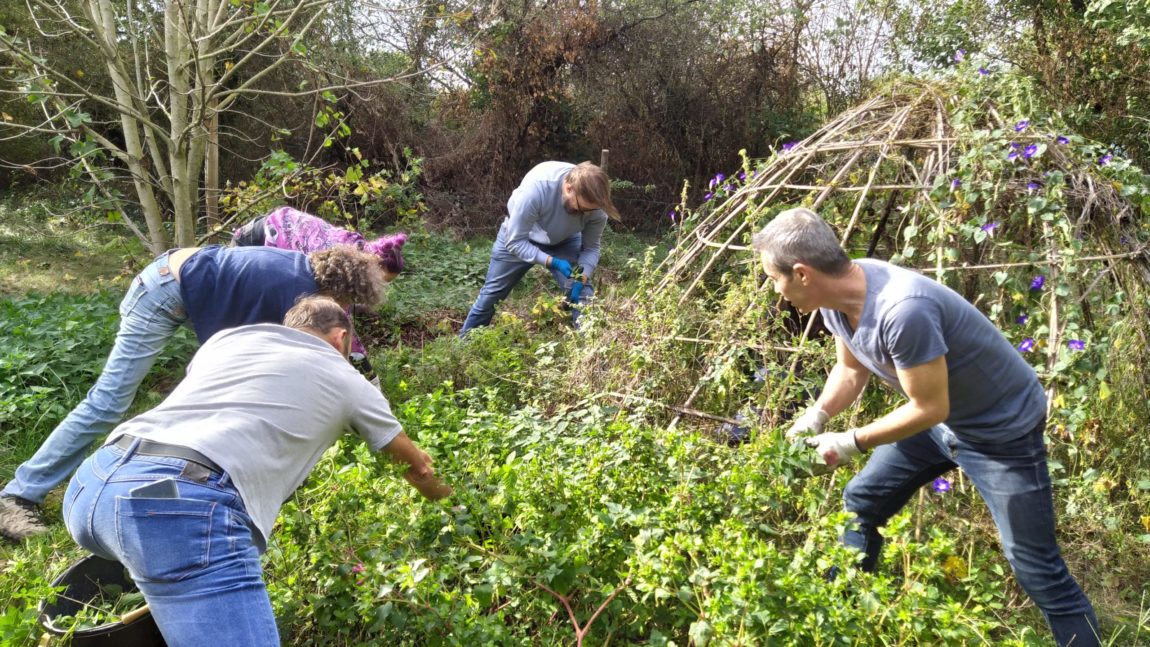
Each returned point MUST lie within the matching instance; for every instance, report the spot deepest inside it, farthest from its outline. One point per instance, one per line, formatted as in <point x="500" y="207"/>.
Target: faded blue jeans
<point x="192" y="556"/>
<point x="150" y="313"/>
<point x="507" y="269"/>
<point x="1013" y="480"/>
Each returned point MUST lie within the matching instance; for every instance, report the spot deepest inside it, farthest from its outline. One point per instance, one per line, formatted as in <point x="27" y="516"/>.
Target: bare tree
<point x="175" y="67"/>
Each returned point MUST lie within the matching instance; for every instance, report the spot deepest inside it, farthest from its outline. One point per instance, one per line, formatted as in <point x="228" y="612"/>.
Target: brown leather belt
<point x="153" y="448"/>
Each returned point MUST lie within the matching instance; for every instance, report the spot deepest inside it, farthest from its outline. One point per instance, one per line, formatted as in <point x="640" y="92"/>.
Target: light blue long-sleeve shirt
<point x="537" y="217"/>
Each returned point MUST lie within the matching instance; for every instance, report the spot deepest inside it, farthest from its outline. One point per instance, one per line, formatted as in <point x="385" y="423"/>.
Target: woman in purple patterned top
<point x="288" y="228"/>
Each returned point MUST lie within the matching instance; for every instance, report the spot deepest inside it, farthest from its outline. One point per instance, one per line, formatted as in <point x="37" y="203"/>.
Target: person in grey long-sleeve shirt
<point x="555" y="219"/>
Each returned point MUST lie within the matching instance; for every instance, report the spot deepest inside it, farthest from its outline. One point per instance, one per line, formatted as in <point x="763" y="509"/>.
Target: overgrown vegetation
<point x="597" y="498"/>
<point x="580" y="517"/>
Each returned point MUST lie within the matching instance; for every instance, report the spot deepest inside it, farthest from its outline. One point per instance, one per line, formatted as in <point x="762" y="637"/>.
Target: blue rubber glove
<point x="563" y="266"/>
<point x="576" y="292"/>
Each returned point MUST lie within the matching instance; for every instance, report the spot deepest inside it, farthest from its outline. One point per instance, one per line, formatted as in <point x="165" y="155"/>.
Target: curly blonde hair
<point x="348" y="275"/>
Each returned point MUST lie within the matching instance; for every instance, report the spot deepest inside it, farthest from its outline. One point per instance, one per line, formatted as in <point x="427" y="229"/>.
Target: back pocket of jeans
<point x="164" y="540"/>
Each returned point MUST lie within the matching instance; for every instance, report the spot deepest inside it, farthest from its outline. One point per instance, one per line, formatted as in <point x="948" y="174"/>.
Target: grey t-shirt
<point x="909" y="319"/>
<point x="537" y="217"/>
<point x="264" y="402"/>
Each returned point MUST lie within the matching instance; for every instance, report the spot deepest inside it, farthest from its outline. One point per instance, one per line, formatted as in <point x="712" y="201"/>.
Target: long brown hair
<point x="591" y="184"/>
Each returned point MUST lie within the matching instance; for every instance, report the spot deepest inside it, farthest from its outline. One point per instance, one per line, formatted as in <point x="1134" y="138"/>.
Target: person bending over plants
<point x="971" y="402"/>
<point x="210" y="288"/>
<point x="185" y="495"/>
<point x="288" y="228"/>
<point x="556" y="219"/>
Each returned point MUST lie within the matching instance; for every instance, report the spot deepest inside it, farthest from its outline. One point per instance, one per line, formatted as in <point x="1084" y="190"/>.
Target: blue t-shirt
<point x="909" y="320"/>
<point x="225" y="287"/>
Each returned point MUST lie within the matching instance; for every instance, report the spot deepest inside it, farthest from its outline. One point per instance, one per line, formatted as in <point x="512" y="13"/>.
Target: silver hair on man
<point x="801" y="236"/>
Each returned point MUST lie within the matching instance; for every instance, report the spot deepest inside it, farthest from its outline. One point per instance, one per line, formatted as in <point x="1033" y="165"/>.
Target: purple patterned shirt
<point x="287" y="228"/>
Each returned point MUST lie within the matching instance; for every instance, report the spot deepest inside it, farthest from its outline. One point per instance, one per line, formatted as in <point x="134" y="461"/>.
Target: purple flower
<point x="1033" y="186"/>
<point x="1015" y="145"/>
<point x="1076" y="344"/>
<point x="707" y="197"/>
<point x="715" y="180"/>
<point x="1022" y="319"/>
<point x="959" y="55"/>
<point x="941" y="485"/>
<point x="1012" y="155"/>
<point x="1027" y="345"/>
<point x="742" y="175"/>
<point x="754" y="172"/>
<point x="1105" y="159"/>
<point x="1030" y="151"/>
<point x="1021" y="126"/>
<point x="990" y="227"/>
<point x="1037" y="282"/>
<point x="1062" y="139"/>
<point x="727" y="186"/>
<point x="789" y="145"/>
<point x="671" y="214"/>
<point x="955" y="183"/>
<point x="983" y="71"/>
<point x="358" y="568"/>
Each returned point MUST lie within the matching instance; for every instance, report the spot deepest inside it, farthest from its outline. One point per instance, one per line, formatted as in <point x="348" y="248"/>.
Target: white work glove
<point x="836" y="447"/>
<point x="808" y="424"/>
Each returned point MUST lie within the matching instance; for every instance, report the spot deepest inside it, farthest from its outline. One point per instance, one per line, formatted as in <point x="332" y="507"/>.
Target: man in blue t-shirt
<point x="971" y="401"/>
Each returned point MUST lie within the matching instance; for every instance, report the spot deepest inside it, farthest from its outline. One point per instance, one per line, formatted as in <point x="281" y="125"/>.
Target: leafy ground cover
<point x="575" y="520"/>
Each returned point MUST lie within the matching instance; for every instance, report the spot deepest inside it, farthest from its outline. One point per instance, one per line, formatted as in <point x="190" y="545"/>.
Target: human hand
<point x="563" y="266"/>
<point x="810" y="423"/>
<point x="425" y="481"/>
<point x="835" y="447"/>
<point x="576" y="292"/>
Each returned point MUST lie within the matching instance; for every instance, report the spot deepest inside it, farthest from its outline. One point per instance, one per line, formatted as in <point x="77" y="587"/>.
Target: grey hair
<point x="801" y="236"/>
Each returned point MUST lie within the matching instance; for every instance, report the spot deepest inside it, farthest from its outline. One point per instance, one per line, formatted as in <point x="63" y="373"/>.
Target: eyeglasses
<point x="578" y="210"/>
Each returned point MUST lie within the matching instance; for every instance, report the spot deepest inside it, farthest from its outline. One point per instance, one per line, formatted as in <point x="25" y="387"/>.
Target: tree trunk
<point x="103" y="18"/>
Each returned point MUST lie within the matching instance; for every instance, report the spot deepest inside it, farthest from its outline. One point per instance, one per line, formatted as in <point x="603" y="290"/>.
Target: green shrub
<point x="675" y="538"/>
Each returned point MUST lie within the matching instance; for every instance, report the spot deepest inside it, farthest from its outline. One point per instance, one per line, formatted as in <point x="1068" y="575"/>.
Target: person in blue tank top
<point x="972" y="402"/>
<point x="210" y="288"/>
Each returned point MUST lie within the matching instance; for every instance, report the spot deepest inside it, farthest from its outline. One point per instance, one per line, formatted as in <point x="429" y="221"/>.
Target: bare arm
<point x="845" y="383"/>
<point x="928" y="403"/>
<point x="419" y="474"/>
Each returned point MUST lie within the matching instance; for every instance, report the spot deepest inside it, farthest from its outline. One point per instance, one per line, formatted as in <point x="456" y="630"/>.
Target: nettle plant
<point x="584" y="528"/>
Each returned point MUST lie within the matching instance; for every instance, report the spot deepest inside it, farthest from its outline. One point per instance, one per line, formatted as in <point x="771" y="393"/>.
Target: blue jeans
<point x="150" y="313"/>
<point x="507" y="269"/>
<point x="1013" y="480"/>
<point x="191" y="555"/>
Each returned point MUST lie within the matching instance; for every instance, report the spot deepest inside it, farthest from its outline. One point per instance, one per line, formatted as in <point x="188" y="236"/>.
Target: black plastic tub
<point x="84" y="580"/>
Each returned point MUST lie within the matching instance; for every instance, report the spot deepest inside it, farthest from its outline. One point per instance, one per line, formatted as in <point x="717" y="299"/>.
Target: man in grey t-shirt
<point x="555" y="219"/>
<point x="185" y="495"/>
<point x="971" y="402"/>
